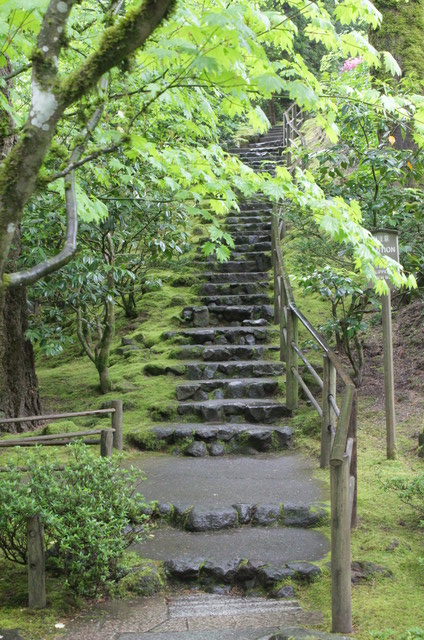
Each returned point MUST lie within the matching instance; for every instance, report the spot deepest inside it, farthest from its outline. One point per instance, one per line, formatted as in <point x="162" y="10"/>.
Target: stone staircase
<point x="244" y="520"/>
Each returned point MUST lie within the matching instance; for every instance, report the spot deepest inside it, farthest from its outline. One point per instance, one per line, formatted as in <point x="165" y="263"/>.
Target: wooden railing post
<point x="328" y="422"/>
<point x="36" y="563"/>
<point x="341" y="600"/>
<point x="292" y="385"/>
<point x="352" y="433"/>
<point x="106" y="443"/>
<point x="117" y="424"/>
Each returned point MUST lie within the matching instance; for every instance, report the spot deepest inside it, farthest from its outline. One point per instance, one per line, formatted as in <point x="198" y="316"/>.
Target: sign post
<point x="390" y="248"/>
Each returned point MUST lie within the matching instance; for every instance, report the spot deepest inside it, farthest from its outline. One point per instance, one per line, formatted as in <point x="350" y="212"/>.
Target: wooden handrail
<point x="338" y="445"/>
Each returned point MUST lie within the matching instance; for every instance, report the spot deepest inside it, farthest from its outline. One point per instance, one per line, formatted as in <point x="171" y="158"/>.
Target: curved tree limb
<point x="29" y="276"/>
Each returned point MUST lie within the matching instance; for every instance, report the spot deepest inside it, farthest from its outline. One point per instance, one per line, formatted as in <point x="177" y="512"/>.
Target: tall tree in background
<point x="401" y="33"/>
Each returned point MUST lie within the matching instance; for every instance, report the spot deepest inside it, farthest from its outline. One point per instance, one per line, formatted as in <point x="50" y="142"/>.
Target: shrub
<point x="91" y="513"/>
<point x="410" y="491"/>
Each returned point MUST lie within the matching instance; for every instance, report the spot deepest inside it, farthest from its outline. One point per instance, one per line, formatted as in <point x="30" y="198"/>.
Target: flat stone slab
<point x="222" y="482"/>
<point x="276" y="546"/>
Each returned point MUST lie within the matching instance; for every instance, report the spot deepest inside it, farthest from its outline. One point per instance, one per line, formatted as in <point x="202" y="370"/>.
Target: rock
<point x="221" y="571"/>
<point x="187" y="314"/>
<point x="246" y="573"/>
<point x="266" y="515"/>
<point x="301" y="516"/>
<point x="363" y="571"/>
<point x="270" y="574"/>
<point x="209" y="371"/>
<point x="10" y="634"/>
<point x="142" y="581"/>
<point x="213" y="520"/>
<point x="259" y="439"/>
<point x="218" y="590"/>
<point x="186" y="391"/>
<point x="245" y="512"/>
<point x="184" y="568"/>
<point x="216" y="449"/>
<point x="125" y="342"/>
<point x="284" y="436"/>
<point x="165" y="509"/>
<point x="196" y="449"/>
<point x="305" y="571"/>
<point x="181" y="511"/>
<point x="285" y="592"/>
<point x="218" y="394"/>
<point x="200" y="316"/>
<point x="250" y="339"/>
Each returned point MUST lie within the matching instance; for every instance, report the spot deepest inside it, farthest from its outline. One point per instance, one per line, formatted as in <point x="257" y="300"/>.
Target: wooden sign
<point x="389" y="239"/>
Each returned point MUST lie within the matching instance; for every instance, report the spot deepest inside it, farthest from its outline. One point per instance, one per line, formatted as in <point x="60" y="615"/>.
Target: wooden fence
<point x="109" y="439"/>
<point x="338" y="421"/>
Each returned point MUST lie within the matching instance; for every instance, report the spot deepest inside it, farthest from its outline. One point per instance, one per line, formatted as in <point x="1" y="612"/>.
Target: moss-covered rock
<point x="143" y="580"/>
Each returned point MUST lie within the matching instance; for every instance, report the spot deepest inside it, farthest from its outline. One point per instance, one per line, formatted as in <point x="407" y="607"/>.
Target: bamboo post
<point x="341" y="600"/>
<point x="117" y="424"/>
<point x="389" y="386"/>
<point x="106" y="443"/>
<point x="36" y="563"/>
<point x="328" y="422"/>
<point x="292" y="385"/>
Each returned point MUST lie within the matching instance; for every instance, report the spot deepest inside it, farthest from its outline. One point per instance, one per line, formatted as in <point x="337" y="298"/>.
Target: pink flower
<point x="351" y="63"/>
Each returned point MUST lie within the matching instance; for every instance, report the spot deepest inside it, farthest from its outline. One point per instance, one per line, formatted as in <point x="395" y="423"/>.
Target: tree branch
<point x="29" y="276"/>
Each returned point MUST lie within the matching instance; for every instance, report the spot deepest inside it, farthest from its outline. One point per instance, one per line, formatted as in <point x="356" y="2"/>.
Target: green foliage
<point x="410" y="491"/>
<point x="90" y="511"/>
<point x="348" y="303"/>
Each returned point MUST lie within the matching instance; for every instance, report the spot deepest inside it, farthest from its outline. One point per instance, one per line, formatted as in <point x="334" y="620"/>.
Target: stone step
<point x="241" y="219"/>
<point x="235" y="277"/>
<point x="283" y="632"/>
<point x="198" y="440"/>
<point x="231" y="266"/>
<point x="234" y="388"/>
<point x="250" y="247"/>
<point x="205" y="316"/>
<point x="240" y="313"/>
<point x="250" y="238"/>
<point x="246" y="557"/>
<point x="253" y="210"/>
<point x="237" y="228"/>
<point x="234" y="300"/>
<point x="224" y="616"/>
<point x="233" y="288"/>
<point x="197" y="518"/>
<point x="235" y="410"/>
<point x="219" y="335"/>
<point x="222" y="353"/>
<point x="233" y="368"/>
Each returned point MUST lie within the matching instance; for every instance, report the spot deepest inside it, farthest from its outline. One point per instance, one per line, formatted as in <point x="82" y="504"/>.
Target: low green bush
<point x="410" y="491"/>
<point x="91" y="513"/>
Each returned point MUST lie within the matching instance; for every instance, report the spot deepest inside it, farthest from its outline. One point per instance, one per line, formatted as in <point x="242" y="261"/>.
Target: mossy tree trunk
<point x="402" y="33"/>
<point x="18" y="381"/>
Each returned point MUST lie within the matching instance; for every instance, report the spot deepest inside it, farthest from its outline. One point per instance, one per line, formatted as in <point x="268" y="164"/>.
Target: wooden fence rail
<point x="338" y="421"/>
<point x="109" y="438"/>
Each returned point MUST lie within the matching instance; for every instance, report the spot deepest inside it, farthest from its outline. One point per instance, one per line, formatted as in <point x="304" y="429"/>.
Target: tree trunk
<point x="401" y="33"/>
<point x="19" y="395"/>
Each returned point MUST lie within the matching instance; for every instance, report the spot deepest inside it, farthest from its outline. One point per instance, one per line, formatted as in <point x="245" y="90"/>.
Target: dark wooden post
<point x="106" y="443"/>
<point x="36" y="563"/>
<point x="117" y="424"/>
